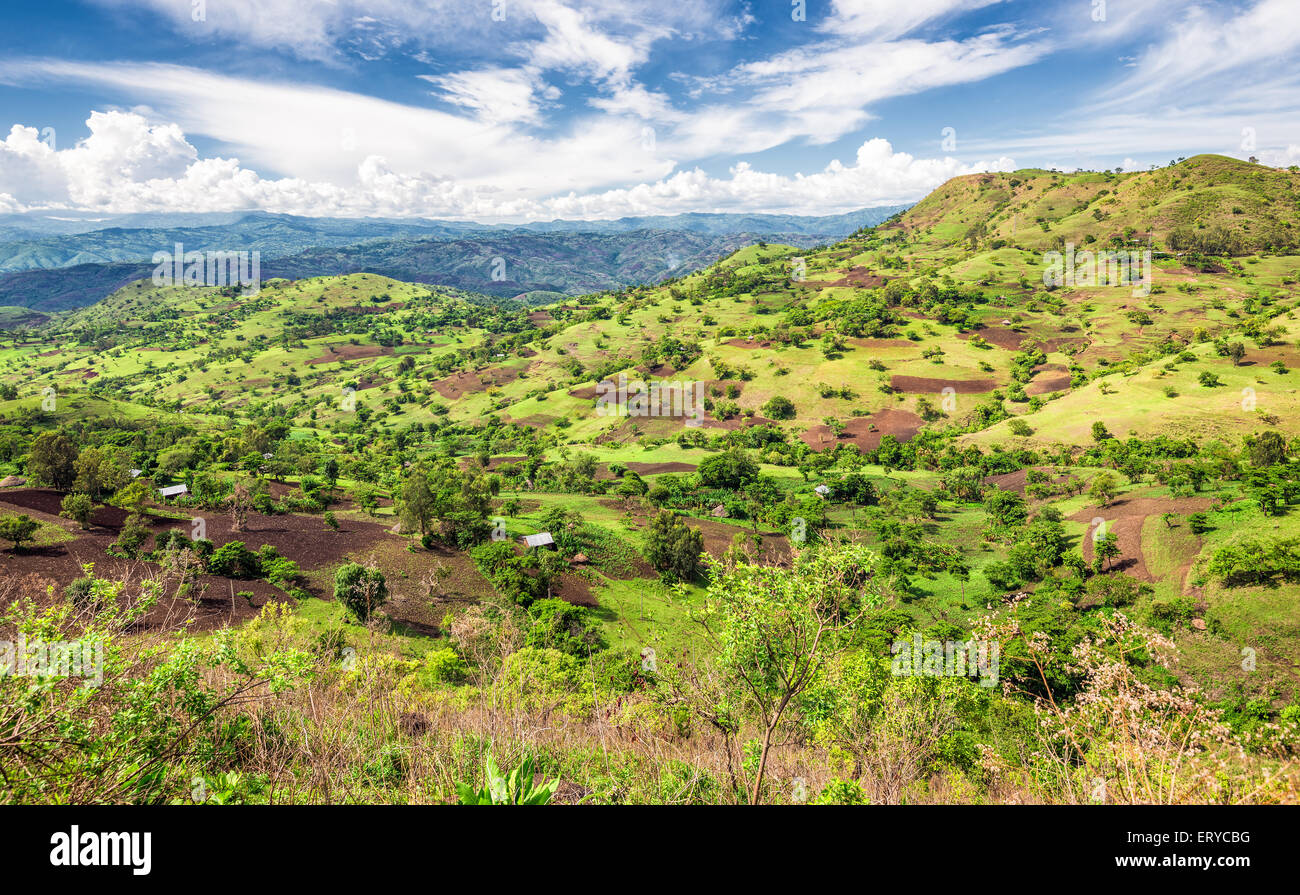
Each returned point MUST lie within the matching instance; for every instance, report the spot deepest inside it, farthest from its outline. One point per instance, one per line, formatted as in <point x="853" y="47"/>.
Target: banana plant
<point x="515" y="788"/>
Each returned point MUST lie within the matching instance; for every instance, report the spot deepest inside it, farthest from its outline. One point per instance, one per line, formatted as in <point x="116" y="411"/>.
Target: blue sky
<point x="539" y="109"/>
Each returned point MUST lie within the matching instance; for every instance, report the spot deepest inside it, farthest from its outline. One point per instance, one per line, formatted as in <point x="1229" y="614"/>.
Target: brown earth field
<point x="859" y="277"/>
<point x="926" y="385"/>
<point x="351" y="352"/>
<point x="1015" y="481"/>
<point x="717" y="535"/>
<point x="1010" y="339"/>
<point x="1124" y="518"/>
<point x="880" y="343"/>
<point x="303" y="539"/>
<point x="901" y="424"/>
<point x="467" y="383"/>
<point x="1049" y="378"/>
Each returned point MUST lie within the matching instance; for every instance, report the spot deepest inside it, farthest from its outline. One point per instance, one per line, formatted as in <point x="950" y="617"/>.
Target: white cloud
<point x="128" y="164"/>
<point x="886" y="19"/>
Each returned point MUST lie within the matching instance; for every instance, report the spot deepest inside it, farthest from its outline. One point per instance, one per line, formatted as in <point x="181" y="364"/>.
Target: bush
<point x="673" y="547"/>
<point x="560" y="625"/>
<point x="509" y="573"/>
<point x="18" y="529"/>
<point x="779" y="407"/>
<point x="131" y="538"/>
<point x="234" y="560"/>
<point x="445" y="667"/>
<point x="78" y="508"/>
<point x="361" y="590"/>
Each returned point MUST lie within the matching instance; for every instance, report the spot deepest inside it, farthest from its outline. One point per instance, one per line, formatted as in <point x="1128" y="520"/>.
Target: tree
<point x="361" y="590"/>
<point x="18" y="529"/>
<point x="1100" y="432"/>
<point x="416" y="505"/>
<point x="1237" y="351"/>
<point x="673" y="547"/>
<point x="1106" y="548"/>
<point x="1005" y="509"/>
<point x="773" y="630"/>
<point x="52" y="461"/>
<point x="731" y="469"/>
<point x="101" y="471"/>
<point x="779" y="407"/>
<point x="458" y="501"/>
<point x="1266" y="449"/>
<point x="134" y="496"/>
<point x="1102" y="488"/>
<point x="78" y="508"/>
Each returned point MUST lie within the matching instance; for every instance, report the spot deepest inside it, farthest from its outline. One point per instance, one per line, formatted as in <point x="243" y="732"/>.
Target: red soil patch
<point x="775" y="547"/>
<point x="1000" y="336"/>
<point x="881" y="343"/>
<point x="1124" y="518"/>
<point x="1049" y="378"/>
<point x="926" y="385"/>
<point x="859" y="431"/>
<point x="744" y="343"/>
<point x="466" y="383"/>
<point x="1015" y="481"/>
<point x="859" y="277"/>
<point x="351" y="352"/>
<point x="655" y="468"/>
<point x="304" y="539"/>
<point x="541" y="318"/>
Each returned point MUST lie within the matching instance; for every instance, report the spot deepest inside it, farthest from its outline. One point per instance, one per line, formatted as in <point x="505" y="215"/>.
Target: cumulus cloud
<point x="129" y="164"/>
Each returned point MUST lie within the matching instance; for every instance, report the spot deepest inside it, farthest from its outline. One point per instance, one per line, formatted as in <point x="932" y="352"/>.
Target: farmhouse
<point x="173" y="491"/>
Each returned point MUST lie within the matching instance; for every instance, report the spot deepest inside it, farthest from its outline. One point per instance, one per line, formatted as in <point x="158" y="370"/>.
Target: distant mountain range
<point x="49" y="264"/>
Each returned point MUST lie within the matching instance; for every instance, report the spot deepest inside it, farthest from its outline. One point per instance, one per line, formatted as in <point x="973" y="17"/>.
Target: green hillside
<point x="910" y="417"/>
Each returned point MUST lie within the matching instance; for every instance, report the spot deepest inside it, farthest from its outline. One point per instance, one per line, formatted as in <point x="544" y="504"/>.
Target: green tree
<point x="731" y="469"/>
<point x="673" y="547"/>
<point x="52" y="461"/>
<point x="773" y="630"/>
<point x="779" y="407"/>
<point x="101" y="471"/>
<point x="18" y="529"/>
<point x="78" y="508"/>
<point x="362" y="590"/>
<point x="1106" y="548"/>
<point x="1102" y="488"/>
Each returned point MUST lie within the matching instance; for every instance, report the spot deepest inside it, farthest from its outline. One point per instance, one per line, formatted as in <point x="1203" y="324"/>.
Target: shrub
<point x="78" y="508"/>
<point x="132" y="537"/>
<point x="361" y="590"/>
<point x="234" y="560"/>
<point x="560" y="625"/>
<point x="18" y="529"/>
<point x="673" y="547"/>
<point x="445" y="667"/>
<point x="779" y="407"/>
